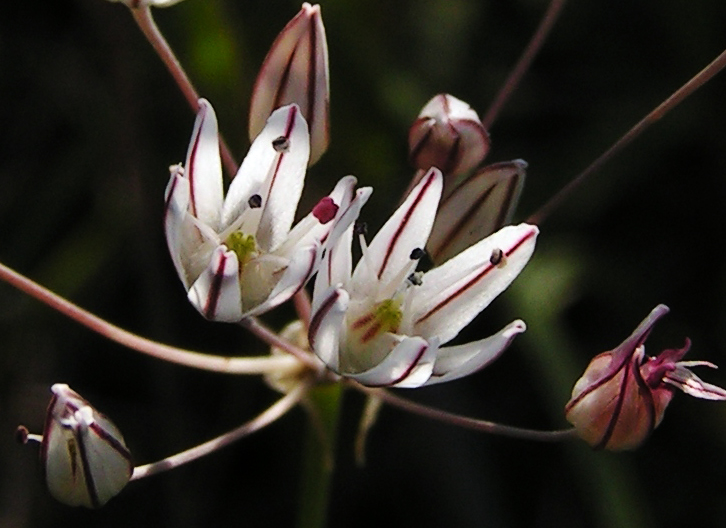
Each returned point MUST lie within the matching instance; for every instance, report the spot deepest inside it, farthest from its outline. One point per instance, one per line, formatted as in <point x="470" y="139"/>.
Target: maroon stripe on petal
<point x="408" y="371"/>
<point x="215" y="289"/>
<point x="87" y="474"/>
<point x="312" y="84"/>
<point x="191" y="169"/>
<point x="483" y="273"/>
<point x="318" y="316"/>
<point x="115" y="444"/>
<point x="404" y="223"/>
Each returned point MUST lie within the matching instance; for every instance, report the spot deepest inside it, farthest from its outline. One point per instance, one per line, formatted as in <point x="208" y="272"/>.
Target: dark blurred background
<point x="91" y="121"/>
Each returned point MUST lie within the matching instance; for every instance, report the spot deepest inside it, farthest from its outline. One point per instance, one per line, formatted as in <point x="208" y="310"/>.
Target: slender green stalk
<point x="323" y="404"/>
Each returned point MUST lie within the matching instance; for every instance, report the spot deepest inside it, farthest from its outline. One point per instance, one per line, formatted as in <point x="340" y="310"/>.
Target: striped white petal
<point x="409" y="364"/>
<point x="203" y="168"/>
<point x="216" y="294"/>
<point x="454" y="293"/>
<point x="85" y="459"/>
<point x="301" y="267"/>
<point x="327" y="326"/>
<point x="274" y="169"/>
<point x="408" y="229"/>
<point x="455" y="362"/>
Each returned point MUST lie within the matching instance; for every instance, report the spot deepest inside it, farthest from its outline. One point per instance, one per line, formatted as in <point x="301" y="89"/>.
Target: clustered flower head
<point x="383" y="323"/>
<point x="623" y="393"/>
<point x="237" y="254"/>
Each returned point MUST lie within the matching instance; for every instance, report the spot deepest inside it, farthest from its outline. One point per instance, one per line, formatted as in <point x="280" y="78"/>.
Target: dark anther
<point x="325" y="250"/>
<point x="255" y="201"/>
<point x="415" y="278"/>
<point x="497" y="257"/>
<point x="21" y="434"/>
<point x="281" y="144"/>
<point x="417" y="254"/>
<point x="360" y="228"/>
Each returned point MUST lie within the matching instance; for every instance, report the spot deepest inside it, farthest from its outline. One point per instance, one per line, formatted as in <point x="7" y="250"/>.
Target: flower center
<point x="244" y="246"/>
<point x="385" y="317"/>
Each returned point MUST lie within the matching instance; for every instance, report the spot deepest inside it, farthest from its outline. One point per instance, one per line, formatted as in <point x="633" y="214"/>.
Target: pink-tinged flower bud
<point x="84" y="457"/>
<point x="623" y="393"/>
<point x="447" y="135"/>
<point x="296" y="71"/>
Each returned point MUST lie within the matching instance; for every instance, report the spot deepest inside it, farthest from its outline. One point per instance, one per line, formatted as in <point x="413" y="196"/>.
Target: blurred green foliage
<point x="91" y="121"/>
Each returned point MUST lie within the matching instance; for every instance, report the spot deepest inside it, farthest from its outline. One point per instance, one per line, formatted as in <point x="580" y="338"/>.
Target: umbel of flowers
<point x="238" y="255"/>
<point x="383" y="323"/>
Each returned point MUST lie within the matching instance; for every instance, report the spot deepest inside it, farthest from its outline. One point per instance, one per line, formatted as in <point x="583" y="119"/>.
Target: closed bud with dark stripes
<point x="447" y="135"/>
<point x="296" y="71"/>
<point x="85" y="459"/>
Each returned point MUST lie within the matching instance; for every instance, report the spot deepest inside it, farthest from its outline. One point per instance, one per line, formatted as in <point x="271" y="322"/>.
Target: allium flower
<point x="237" y="256"/>
<point x="85" y="459"/>
<point x="296" y="71"/>
<point x="623" y="393"/>
<point x="383" y="324"/>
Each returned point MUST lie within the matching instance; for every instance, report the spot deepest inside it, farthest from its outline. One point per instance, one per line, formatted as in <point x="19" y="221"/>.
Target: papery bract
<point x="296" y="71"/>
<point x="623" y="393"/>
<point x="84" y="457"/>
<point x="383" y="323"/>
<point x="236" y="255"/>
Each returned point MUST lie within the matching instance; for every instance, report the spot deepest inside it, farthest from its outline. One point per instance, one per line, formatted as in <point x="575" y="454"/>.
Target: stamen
<point x="416" y="278"/>
<point x="417" y="254"/>
<point x="360" y="228"/>
<point x="255" y="201"/>
<point x="498" y="258"/>
<point x="325" y="210"/>
<point x="22" y="436"/>
<point x="281" y="144"/>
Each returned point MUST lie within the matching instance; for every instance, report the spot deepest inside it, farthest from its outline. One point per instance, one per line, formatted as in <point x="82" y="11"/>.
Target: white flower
<point x="383" y="324"/>
<point x="237" y="256"/>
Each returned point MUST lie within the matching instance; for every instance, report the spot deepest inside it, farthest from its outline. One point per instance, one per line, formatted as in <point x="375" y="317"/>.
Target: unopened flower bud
<point x="296" y="71"/>
<point x="447" y="134"/>
<point x="84" y="457"/>
<point x="623" y="393"/>
<point x="480" y="205"/>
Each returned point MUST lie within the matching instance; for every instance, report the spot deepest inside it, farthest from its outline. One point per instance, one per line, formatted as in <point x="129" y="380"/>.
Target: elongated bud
<point x="296" y="71"/>
<point x="448" y="135"/>
<point x="480" y="205"/>
<point x="623" y="393"/>
<point x="84" y="457"/>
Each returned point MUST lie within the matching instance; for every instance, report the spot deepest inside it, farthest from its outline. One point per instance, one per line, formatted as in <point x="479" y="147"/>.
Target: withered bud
<point x="623" y="393"/>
